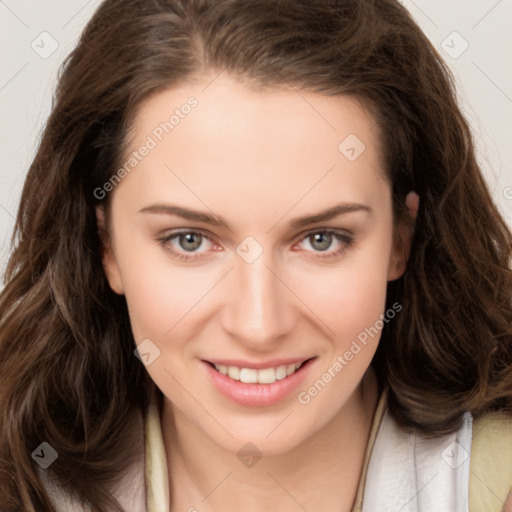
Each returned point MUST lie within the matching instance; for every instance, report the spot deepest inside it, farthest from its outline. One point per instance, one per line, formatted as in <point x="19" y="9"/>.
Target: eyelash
<point x="342" y="237"/>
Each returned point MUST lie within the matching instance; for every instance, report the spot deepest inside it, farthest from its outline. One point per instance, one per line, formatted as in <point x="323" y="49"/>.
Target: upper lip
<point x="274" y="363"/>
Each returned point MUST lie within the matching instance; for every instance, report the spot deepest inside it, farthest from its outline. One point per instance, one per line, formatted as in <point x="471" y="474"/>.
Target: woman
<point x="256" y="266"/>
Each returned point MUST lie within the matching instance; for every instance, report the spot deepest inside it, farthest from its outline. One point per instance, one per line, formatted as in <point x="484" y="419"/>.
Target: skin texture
<point x="258" y="159"/>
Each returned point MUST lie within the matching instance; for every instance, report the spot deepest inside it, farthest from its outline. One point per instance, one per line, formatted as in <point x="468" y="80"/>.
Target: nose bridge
<point x="257" y="307"/>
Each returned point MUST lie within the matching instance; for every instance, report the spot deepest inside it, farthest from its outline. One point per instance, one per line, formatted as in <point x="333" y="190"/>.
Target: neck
<point x="321" y="473"/>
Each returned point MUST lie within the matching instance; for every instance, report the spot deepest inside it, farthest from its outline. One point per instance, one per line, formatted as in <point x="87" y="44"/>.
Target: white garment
<point x="408" y="473"/>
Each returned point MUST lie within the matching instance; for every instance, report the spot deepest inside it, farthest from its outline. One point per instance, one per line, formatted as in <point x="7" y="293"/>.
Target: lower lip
<point x="257" y="395"/>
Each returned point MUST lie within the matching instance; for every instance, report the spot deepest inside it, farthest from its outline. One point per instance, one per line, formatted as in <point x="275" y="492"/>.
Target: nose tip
<point x="257" y="310"/>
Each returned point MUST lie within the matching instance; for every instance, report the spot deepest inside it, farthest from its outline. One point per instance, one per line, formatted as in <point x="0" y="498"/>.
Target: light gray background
<point x="30" y="29"/>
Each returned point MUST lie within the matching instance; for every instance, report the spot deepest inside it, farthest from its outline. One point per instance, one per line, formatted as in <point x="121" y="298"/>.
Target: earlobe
<point x="108" y="258"/>
<point x="403" y="239"/>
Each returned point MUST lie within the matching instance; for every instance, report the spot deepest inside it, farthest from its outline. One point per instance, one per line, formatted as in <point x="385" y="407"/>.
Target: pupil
<point x="321" y="241"/>
<point x="190" y="241"/>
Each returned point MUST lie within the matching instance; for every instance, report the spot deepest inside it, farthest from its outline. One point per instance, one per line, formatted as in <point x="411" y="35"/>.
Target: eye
<point x="326" y="242"/>
<point x="186" y="245"/>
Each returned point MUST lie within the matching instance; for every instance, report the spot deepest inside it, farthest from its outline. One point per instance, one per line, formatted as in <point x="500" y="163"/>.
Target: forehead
<point x="217" y="136"/>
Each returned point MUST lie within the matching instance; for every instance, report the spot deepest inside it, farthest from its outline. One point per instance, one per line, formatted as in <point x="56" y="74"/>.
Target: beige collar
<point x="157" y="480"/>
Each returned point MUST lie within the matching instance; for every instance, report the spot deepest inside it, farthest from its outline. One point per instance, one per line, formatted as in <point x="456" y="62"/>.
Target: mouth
<point x="260" y="384"/>
<point x="266" y="375"/>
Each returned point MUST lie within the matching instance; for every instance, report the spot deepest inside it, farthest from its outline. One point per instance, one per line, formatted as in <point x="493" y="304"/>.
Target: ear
<point x="403" y="239"/>
<point x="108" y="258"/>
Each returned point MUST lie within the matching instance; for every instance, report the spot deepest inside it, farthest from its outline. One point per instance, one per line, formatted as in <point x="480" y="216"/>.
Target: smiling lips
<point x="260" y="376"/>
<point x="259" y="384"/>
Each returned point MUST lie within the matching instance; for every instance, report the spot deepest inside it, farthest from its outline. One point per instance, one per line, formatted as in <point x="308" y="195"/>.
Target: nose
<point x="258" y="309"/>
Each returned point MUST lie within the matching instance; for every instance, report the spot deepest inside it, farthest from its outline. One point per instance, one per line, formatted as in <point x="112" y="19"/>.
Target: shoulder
<point x="471" y="467"/>
<point x="409" y="472"/>
<point x="490" y="486"/>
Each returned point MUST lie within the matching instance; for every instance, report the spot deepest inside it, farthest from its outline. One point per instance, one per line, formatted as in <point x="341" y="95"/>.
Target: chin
<point x="270" y="437"/>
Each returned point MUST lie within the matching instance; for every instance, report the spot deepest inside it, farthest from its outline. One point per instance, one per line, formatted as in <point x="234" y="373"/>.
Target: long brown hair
<point x="68" y="373"/>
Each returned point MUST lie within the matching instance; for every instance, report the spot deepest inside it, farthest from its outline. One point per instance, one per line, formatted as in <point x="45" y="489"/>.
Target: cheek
<point x="161" y="295"/>
<point x="165" y="304"/>
<point x="351" y="297"/>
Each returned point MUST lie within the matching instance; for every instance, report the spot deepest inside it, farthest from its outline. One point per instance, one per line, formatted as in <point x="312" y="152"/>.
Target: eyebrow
<point x="218" y="221"/>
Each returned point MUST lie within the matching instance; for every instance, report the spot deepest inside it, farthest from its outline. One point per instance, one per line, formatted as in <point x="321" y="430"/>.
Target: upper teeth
<point x="253" y="376"/>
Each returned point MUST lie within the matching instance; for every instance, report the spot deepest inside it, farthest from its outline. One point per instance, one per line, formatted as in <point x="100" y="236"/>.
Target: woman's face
<point x="254" y="232"/>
